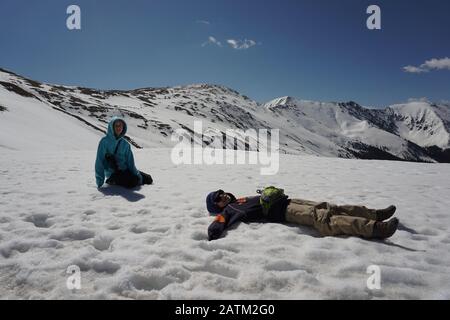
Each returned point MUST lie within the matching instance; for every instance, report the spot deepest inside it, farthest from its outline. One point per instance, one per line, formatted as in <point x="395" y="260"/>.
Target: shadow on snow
<point x="129" y="194"/>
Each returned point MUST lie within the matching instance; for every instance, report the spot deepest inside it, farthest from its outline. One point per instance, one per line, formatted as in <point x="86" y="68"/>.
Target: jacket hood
<point x="212" y="208"/>
<point x="110" y="132"/>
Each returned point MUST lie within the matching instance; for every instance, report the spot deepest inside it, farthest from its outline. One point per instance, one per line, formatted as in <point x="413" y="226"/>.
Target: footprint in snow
<point x="40" y="220"/>
<point x="160" y="230"/>
<point x="102" y="242"/>
<point x="138" y="229"/>
<point x="144" y="211"/>
<point x="199" y="236"/>
<point x="78" y="234"/>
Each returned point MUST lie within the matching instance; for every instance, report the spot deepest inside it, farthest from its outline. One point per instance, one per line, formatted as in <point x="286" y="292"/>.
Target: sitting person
<point x="115" y="159"/>
<point x="328" y="219"/>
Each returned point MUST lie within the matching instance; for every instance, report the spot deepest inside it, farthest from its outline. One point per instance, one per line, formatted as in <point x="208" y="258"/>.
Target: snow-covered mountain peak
<point x="212" y="88"/>
<point x="423" y="123"/>
<point x="281" y="101"/>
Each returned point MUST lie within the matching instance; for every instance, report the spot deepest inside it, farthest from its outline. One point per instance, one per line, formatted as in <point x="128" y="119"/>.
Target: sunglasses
<point x="219" y="196"/>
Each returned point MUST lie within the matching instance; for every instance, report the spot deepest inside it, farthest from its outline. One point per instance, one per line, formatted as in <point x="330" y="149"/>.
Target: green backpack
<point x="270" y="196"/>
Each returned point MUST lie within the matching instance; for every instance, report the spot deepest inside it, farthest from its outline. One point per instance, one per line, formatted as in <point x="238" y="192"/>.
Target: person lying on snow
<point x="274" y="206"/>
<point x="115" y="159"/>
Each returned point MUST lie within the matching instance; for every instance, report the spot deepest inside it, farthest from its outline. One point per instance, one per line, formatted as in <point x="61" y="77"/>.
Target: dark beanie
<point x="210" y="205"/>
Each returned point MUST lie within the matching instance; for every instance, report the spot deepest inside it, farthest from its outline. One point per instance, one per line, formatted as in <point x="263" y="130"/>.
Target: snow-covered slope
<point x="345" y="129"/>
<point x="29" y="124"/>
<point x="152" y="243"/>
<point x="413" y="131"/>
<point x="423" y="123"/>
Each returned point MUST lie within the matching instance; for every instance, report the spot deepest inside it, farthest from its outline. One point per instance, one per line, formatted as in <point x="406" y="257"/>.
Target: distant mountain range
<point x="414" y="131"/>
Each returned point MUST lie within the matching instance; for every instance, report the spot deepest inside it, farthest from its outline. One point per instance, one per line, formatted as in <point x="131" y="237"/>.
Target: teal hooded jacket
<point x="124" y="155"/>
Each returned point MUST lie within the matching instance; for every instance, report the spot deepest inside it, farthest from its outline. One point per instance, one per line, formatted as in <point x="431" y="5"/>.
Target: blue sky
<point x="317" y="50"/>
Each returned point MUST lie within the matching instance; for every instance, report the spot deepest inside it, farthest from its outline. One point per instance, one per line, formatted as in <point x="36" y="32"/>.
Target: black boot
<point x="111" y="180"/>
<point x="146" y="178"/>
<point x="384" y="230"/>
<point x="384" y="214"/>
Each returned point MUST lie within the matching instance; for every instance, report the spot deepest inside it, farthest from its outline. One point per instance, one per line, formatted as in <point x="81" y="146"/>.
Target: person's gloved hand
<point x="216" y="228"/>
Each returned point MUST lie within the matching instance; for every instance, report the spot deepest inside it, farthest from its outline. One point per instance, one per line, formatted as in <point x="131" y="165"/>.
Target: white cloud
<point x="212" y="40"/>
<point x="241" y="44"/>
<point x="412" y="69"/>
<point x="429" y="65"/>
<point x="423" y="99"/>
<point x="235" y="44"/>
<point x="438" y="64"/>
<point x="203" y="22"/>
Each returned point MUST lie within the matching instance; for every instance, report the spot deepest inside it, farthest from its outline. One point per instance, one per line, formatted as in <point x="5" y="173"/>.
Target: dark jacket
<point x="246" y="209"/>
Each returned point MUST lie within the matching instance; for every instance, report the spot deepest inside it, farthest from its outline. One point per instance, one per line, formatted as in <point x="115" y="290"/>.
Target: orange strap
<point x="220" y="218"/>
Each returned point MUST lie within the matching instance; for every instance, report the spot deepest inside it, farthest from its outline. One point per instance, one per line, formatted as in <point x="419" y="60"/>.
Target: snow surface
<point x="151" y="243"/>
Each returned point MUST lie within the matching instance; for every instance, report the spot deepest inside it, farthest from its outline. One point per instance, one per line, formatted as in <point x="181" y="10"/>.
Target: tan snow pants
<point x="330" y="219"/>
